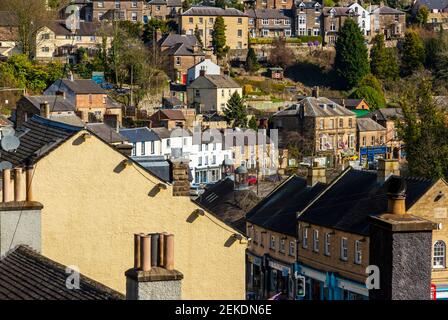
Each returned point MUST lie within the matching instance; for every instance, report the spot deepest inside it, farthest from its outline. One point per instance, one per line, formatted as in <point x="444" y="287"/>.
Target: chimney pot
<point x="18" y="185"/>
<point x="169" y="251"/>
<point x="145" y="252"/>
<point x="7" y="186"/>
<point x="137" y="256"/>
<point x="154" y="249"/>
<point x="29" y="183"/>
<point x="45" y="110"/>
<point x="315" y="92"/>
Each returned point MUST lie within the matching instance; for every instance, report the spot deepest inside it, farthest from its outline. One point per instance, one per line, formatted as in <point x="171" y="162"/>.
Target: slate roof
<point x="82" y="86"/>
<point x="384" y="10"/>
<point x="269" y="14"/>
<point x="181" y="49"/>
<point x="214" y="81"/>
<point x="174" y="38"/>
<point x="385" y="114"/>
<point x="56" y="103"/>
<point x="367" y="124"/>
<point x="28" y="275"/>
<point x="70" y="119"/>
<point x="139" y="134"/>
<point x="433" y="4"/>
<point x="105" y="132"/>
<point x="307" y="4"/>
<point x="339" y="11"/>
<point x="278" y="211"/>
<point x="229" y="206"/>
<point x="315" y="107"/>
<point x="348" y="103"/>
<point x="354" y="196"/>
<point x="38" y="136"/>
<point x="173" y="114"/>
<point x="85" y="28"/>
<point x="157" y="165"/>
<point x="213" y="11"/>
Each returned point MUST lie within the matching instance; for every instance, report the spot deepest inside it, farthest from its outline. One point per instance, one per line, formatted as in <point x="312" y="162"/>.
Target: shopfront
<point x="280" y="278"/>
<point x="321" y="285"/>
<point x="255" y="277"/>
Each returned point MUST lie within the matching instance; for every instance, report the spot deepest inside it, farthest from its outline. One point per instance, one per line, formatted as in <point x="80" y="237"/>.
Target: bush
<point x="374" y="98"/>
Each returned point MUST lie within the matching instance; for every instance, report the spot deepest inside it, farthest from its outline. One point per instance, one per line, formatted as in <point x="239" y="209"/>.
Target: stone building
<point x="204" y="17"/>
<point x="333" y="20"/>
<point x="388" y="21"/>
<point x="307" y="18"/>
<point x="271" y="4"/>
<point x="324" y="128"/>
<point x="270" y="23"/>
<point x="164" y="9"/>
<point x="131" y="10"/>
<point x="371" y="140"/>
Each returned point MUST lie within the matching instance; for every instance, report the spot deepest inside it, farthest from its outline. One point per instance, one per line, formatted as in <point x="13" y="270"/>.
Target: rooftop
<point x="433" y="4"/>
<point x="28" y="275"/>
<point x="214" y="81"/>
<point x="278" y="211"/>
<point x="367" y="124"/>
<point x="105" y="132"/>
<point x="385" y="114"/>
<point x="269" y="14"/>
<point x="85" y="28"/>
<point x="213" y="11"/>
<point x="81" y="86"/>
<point x="56" y="103"/>
<point x="315" y="107"/>
<point x="139" y="134"/>
<point x="354" y="196"/>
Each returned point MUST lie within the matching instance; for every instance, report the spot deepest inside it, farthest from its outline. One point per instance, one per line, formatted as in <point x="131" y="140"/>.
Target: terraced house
<point x="333" y="20"/>
<point x="270" y="23"/>
<point x="204" y="17"/>
<point x="308" y="18"/>
<point x="388" y="21"/>
<point x="132" y="10"/>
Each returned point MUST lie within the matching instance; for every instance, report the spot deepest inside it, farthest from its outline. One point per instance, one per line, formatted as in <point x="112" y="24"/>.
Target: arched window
<point x="439" y="254"/>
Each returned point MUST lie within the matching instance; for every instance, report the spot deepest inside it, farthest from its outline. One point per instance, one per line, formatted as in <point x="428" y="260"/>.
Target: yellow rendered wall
<point x="91" y="213"/>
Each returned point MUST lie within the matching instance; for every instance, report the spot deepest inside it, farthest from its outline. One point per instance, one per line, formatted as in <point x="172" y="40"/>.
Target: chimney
<point x="180" y="174"/>
<point x="20" y="220"/>
<point x="153" y="276"/>
<point x="19" y="186"/>
<point x="45" y="110"/>
<point x="29" y="185"/>
<point x="400" y="245"/>
<point x="315" y="92"/>
<point x="7" y="186"/>
<point x="316" y="174"/>
<point x="125" y="148"/>
<point x="201" y="72"/>
<point x="386" y="168"/>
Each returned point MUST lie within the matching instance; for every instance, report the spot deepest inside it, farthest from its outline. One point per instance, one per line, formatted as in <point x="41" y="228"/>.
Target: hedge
<point x="300" y="39"/>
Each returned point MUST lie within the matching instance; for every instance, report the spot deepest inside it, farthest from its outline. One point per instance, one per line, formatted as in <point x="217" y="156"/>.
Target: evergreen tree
<point x="220" y="48"/>
<point x="424" y="132"/>
<point x="252" y="64"/>
<point x="421" y="17"/>
<point x="235" y="111"/>
<point x="186" y="4"/>
<point x="351" y="62"/>
<point x="198" y="36"/>
<point x="412" y="54"/>
<point x="220" y="3"/>
<point x="383" y="61"/>
<point x="253" y="123"/>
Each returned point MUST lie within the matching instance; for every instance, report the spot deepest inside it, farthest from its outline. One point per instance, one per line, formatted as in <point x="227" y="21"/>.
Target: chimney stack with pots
<point x="406" y="242"/>
<point x="316" y="173"/>
<point x="45" y="110"/>
<point x="386" y="168"/>
<point x="153" y="276"/>
<point x="315" y="92"/>
<point x="181" y="178"/>
<point x="202" y="72"/>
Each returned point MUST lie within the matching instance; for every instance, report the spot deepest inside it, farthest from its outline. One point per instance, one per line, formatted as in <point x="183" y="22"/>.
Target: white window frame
<point x="327" y="244"/>
<point x="316" y="240"/>
<point x="292" y="248"/>
<point x="305" y="238"/>
<point x="358" y="252"/>
<point x="441" y="255"/>
<point x="344" y="249"/>
<point x="272" y="242"/>
<point x="282" y="245"/>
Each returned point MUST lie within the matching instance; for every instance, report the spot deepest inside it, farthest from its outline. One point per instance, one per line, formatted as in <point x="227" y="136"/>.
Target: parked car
<point x="252" y="180"/>
<point x="107" y="86"/>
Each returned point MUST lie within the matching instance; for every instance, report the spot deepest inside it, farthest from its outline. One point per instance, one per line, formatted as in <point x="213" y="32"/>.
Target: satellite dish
<point x="10" y="143"/>
<point x="5" y="165"/>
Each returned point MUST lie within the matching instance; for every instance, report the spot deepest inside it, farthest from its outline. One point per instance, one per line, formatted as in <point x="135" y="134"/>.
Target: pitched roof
<point x="307" y="4"/>
<point x="174" y="38"/>
<point x="38" y="136"/>
<point x="139" y="134"/>
<point x="81" y="86"/>
<point x="28" y="275"/>
<point x="278" y="211"/>
<point x="269" y="14"/>
<point x="173" y="114"/>
<point x="354" y="196"/>
<point x="85" y="28"/>
<point x="348" y="103"/>
<point x="384" y="10"/>
<point x="105" y="132"/>
<point x="367" y="124"/>
<point x="70" y="119"/>
<point x="315" y="107"/>
<point x="228" y="205"/>
<point x="182" y="49"/>
<point x="157" y="165"/>
<point x="56" y="103"/>
<point x="385" y="114"/>
<point x="339" y="11"/>
<point x="214" y="81"/>
<point x="433" y="4"/>
<point x="213" y="11"/>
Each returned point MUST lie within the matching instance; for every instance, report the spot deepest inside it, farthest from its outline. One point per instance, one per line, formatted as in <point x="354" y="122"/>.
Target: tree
<point x="197" y="34"/>
<point x="374" y="98"/>
<point x="186" y="4"/>
<point x="280" y="55"/>
<point x="252" y="64"/>
<point x="253" y="123"/>
<point x="421" y="17"/>
<point x="29" y="16"/>
<point x="424" y="132"/>
<point x="220" y="48"/>
<point x="412" y="54"/>
<point x="351" y="62"/>
<point x="371" y="81"/>
<point x="383" y="61"/>
<point x="236" y="112"/>
<point x="220" y="3"/>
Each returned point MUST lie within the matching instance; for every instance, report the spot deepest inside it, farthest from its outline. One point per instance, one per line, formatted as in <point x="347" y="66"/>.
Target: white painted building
<point x="207" y="67"/>
<point x="144" y="141"/>
<point x="363" y="18"/>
